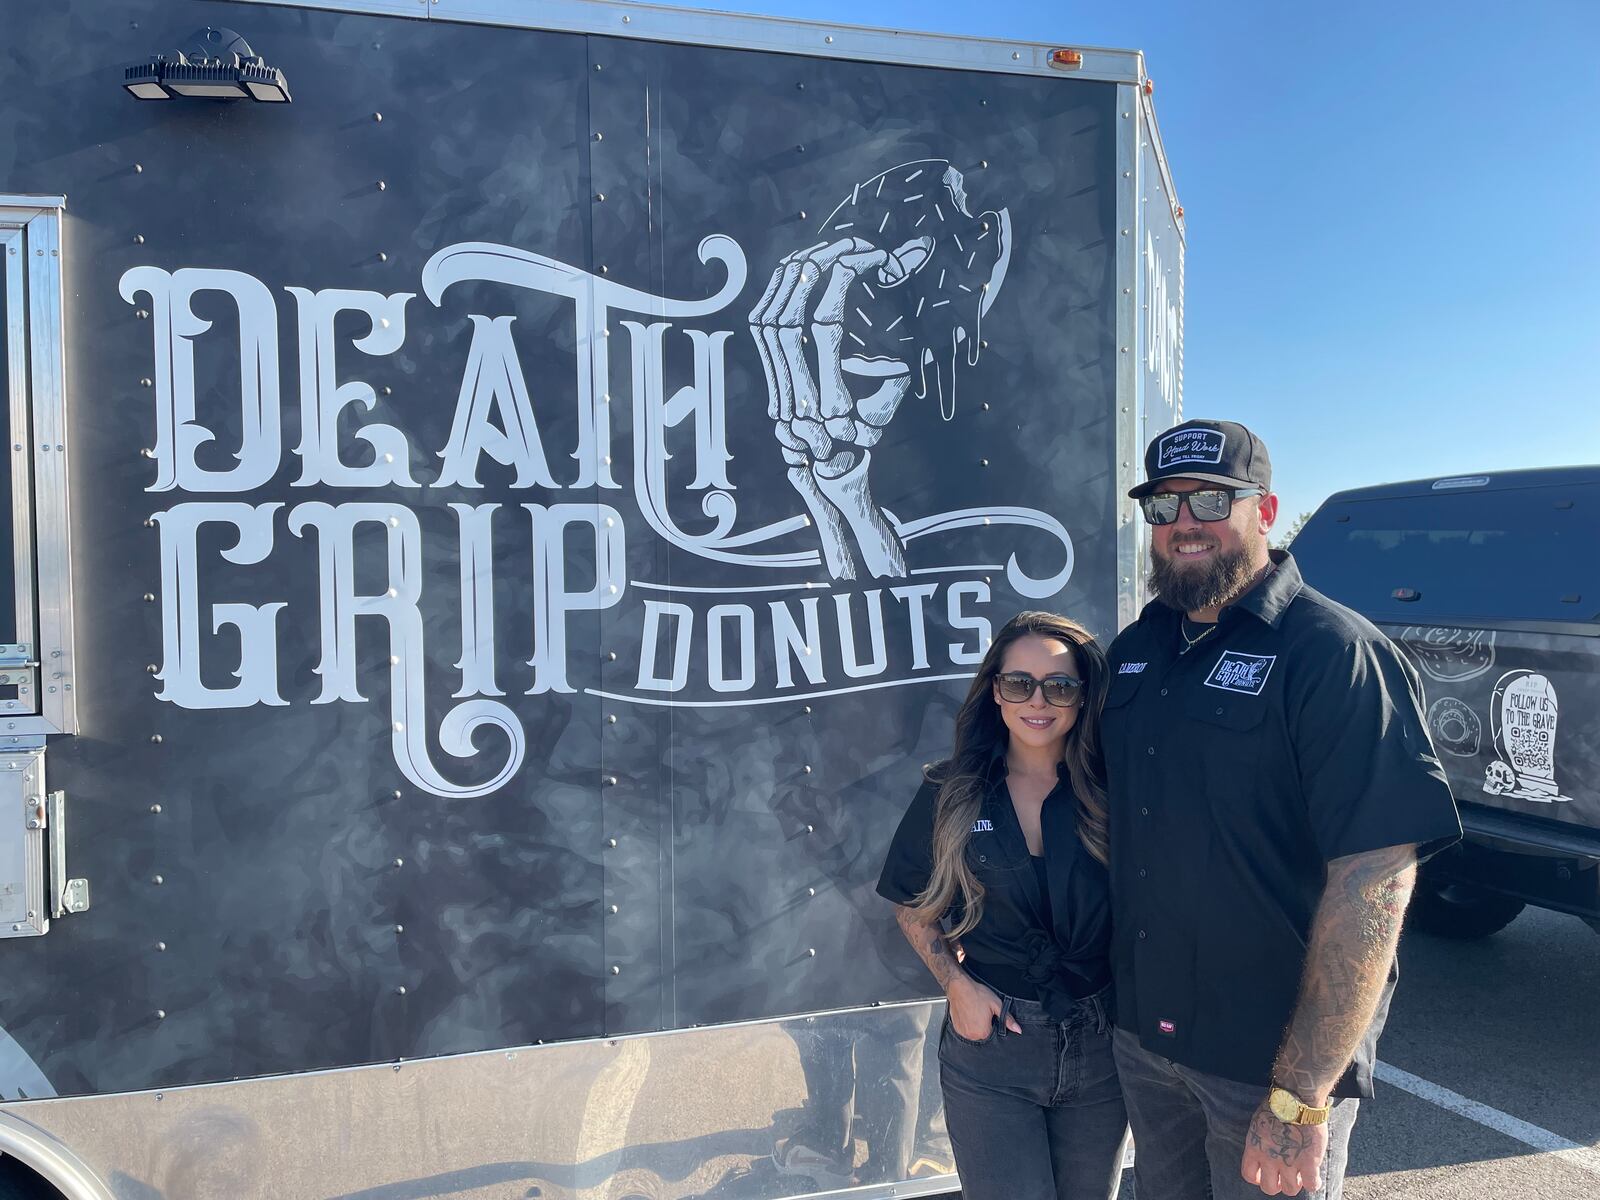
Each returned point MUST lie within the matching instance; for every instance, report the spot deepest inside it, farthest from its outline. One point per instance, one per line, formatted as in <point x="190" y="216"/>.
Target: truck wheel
<point x="1458" y="910"/>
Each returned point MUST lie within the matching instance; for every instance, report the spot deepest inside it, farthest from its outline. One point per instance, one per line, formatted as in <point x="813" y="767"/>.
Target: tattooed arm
<point x="1353" y="940"/>
<point x="973" y="1007"/>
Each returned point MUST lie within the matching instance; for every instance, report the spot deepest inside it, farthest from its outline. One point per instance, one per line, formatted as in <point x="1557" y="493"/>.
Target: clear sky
<point x="1393" y="216"/>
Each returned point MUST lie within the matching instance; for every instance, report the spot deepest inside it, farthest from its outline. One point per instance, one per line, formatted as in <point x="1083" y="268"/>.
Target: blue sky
<point x="1393" y="218"/>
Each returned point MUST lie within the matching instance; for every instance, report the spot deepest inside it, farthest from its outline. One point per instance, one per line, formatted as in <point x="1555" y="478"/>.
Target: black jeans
<point x="1036" y="1115"/>
<point x="1189" y="1129"/>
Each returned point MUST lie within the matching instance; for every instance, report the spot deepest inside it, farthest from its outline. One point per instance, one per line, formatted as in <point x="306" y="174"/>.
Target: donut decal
<point x="1450" y="655"/>
<point x="1455" y="727"/>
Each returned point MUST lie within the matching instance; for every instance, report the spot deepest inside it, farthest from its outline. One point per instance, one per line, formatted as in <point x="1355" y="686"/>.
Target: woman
<point x="1006" y="841"/>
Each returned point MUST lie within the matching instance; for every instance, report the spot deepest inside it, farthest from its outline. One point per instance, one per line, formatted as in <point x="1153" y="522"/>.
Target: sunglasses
<point x="1016" y="687"/>
<point x="1211" y="504"/>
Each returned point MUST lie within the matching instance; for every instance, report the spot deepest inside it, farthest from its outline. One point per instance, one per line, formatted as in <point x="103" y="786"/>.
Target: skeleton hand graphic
<point x="902" y="299"/>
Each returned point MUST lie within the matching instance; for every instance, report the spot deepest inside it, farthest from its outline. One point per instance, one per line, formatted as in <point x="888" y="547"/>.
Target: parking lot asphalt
<point x="1495" y="1045"/>
<point x="1510" y="1023"/>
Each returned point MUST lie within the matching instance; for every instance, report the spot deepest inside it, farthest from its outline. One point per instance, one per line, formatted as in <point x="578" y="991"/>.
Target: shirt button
<point x="1144" y="812"/>
<point x="983" y="858"/>
<point x="1141" y="872"/>
<point x="1152" y="749"/>
<point x="1219" y="712"/>
<point x="1163" y="691"/>
<point x="1142" y="935"/>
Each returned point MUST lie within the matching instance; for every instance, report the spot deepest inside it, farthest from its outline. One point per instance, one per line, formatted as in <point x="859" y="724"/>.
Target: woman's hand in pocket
<point x="974" y="1009"/>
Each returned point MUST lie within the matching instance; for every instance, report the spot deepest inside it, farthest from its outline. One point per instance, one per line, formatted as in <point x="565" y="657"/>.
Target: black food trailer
<point x="506" y="496"/>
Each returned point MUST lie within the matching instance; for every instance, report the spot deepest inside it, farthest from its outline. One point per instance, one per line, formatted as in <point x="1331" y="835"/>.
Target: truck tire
<point x="1458" y="910"/>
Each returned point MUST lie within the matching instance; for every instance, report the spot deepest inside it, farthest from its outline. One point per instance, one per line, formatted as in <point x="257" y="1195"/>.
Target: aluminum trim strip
<point x="737" y="31"/>
<point x="23" y="200"/>
<point x="46" y="342"/>
<point x="13" y="248"/>
<point x="1153" y="131"/>
<point x="1129" y="417"/>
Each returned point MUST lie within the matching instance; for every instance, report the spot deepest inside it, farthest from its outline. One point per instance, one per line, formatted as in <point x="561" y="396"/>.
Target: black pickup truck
<point x="1491" y="584"/>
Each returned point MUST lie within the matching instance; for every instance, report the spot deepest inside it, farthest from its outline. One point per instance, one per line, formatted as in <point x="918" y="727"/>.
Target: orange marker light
<point x="1066" y="60"/>
<point x="1149" y="87"/>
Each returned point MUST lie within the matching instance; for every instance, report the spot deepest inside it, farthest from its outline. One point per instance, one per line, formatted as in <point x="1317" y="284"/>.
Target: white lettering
<point x="477" y="601"/>
<point x="180" y="608"/>
<point x="787" y="640"/>
<point x="323" y="398"/>
<point x="552" y="601"/>
<point x="179" y="433"/>
<point x="977" y="591"/>
<point x="683" y="628"/>
<point x="397" y="607"/>
<point x="913" y="595"/>
<point x="878" y="658"/>
<point x="493" y="382"/>
<point x="715" y="651"/>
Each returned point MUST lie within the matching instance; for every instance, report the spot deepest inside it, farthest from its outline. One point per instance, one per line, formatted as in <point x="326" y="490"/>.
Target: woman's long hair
<point x="963" y="777"/>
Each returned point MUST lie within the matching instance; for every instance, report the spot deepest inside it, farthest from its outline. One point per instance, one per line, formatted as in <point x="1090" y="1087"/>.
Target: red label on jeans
<point x="1167" y="1027"/>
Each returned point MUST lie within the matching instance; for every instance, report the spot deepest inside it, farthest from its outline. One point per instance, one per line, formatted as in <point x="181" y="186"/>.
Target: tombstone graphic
<point x="1522" y="725"/>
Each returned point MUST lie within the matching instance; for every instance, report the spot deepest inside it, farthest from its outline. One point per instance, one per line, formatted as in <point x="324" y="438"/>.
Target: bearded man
<point x="1272" y="788"/>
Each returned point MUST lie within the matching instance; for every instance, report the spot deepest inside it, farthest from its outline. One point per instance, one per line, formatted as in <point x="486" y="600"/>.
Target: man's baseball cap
<point x="1222" y="452"/>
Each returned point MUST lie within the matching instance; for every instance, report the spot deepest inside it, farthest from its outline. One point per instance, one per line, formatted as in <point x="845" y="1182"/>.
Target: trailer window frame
<point x="39" y="654"/>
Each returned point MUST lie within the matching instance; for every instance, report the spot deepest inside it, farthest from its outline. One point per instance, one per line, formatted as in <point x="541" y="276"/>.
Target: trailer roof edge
<point x="24" y="200"/>
<point x="1165" y="167"/>
<point x="740" y="31"/>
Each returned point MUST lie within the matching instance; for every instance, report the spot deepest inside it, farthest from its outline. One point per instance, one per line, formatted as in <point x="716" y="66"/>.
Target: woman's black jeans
<point x="1036" y="1115"/>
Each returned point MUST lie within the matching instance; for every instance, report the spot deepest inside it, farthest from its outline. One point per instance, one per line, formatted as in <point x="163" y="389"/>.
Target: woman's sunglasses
<point x="1212" y="504"/>
<point x="1016" y="687"/>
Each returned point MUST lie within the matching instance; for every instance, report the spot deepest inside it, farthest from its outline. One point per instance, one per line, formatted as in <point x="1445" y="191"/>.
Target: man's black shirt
<point x="1289" y="737"/>
<point x="1050" y="940"/>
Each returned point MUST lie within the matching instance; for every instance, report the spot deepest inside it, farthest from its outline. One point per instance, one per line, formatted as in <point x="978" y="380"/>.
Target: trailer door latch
<point x="66" y="895"/>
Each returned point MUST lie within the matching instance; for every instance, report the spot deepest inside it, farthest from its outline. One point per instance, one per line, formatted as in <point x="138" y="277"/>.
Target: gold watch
<point x="1289" y="1109"/>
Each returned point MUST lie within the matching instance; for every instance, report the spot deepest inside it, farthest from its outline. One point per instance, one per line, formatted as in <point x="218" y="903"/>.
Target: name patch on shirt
<point x="1170" y="1028"/>
<point x="1189" y="446"/>
<point x="1246" y="673"/>
<point x="1131" y="668"/>
<point x="983" y="825"/>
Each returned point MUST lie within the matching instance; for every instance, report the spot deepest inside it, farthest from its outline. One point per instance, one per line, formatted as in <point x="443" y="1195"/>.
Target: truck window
<point x="1523" y="554"/>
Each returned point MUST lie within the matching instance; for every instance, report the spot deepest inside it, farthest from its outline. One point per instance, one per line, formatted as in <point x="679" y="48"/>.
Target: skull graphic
<point x="1499" y="779"/>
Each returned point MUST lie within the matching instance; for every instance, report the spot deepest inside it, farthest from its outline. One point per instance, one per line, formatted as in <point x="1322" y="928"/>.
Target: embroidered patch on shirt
<point x="983" y="825"/>
<point x="1189" y="446"/>
<point x="1246" y="673"/>
<point x="1170" y="1028"/>
<point x="1131" y="668"/>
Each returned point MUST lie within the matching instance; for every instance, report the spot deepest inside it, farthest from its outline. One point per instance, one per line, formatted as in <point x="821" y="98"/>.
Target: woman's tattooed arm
<point x="932" y="947"/>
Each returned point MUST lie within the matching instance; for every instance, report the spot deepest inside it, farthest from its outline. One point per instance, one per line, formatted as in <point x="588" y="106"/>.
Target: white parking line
<point x="1584" y="1158"/>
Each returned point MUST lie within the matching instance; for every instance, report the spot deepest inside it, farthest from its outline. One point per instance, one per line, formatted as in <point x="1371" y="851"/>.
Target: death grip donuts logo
<point x="875" y="321"/>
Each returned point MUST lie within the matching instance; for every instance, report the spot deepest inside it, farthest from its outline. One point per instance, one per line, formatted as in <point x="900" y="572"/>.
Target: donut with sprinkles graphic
<point x="924" y="306"/>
